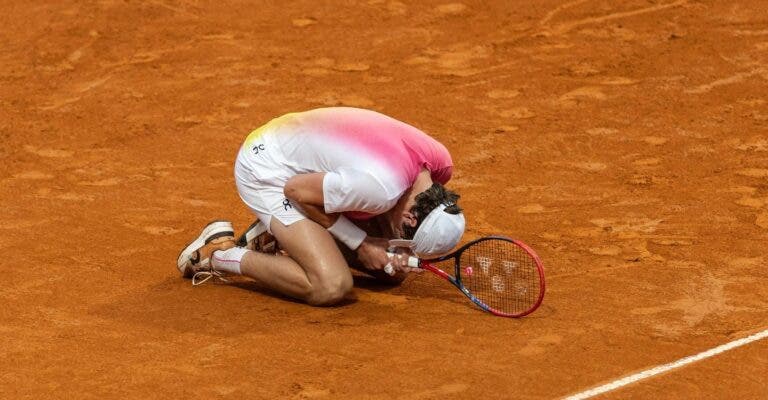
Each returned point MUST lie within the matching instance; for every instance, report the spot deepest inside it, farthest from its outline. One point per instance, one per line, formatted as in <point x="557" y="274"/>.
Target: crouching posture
<point x="330" y="187"/>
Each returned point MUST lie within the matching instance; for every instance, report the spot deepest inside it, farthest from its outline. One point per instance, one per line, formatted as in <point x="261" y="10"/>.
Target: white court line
<point x="666" y="367"/>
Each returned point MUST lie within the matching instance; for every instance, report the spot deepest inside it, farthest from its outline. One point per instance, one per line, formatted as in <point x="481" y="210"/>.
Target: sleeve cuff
<point x="347" y="232"/>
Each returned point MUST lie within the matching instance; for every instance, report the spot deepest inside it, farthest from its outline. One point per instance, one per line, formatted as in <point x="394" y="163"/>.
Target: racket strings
<point x="502" y="275"/>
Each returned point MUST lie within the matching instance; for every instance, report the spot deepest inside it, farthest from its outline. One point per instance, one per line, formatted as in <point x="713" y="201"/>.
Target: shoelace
<point x="206" y="276"/>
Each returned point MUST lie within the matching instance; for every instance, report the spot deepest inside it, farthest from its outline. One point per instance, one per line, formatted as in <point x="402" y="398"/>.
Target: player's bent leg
<point x="256" y="238"/>
<point x="315" y="250"/>
<point x="314" y="272"/>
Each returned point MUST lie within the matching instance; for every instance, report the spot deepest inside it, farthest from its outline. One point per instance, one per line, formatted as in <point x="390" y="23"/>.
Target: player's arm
<point x="306" y="190"/>
<point x="322" y="196"/>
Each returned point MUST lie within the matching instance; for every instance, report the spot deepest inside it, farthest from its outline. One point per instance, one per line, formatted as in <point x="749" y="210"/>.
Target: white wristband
<point x="347" y="232"/>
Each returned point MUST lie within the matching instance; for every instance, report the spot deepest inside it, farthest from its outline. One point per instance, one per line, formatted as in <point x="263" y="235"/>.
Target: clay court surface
<point x="626" y="141"/>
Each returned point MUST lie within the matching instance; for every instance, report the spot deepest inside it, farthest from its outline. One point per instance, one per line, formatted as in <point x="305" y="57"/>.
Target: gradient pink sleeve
<point x="351" y="190"/>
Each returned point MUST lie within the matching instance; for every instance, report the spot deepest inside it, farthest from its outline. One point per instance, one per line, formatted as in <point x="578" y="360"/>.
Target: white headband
<point x="439" y="233"/>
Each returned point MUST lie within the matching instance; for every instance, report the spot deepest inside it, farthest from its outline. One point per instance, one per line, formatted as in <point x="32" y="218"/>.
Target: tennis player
<point x="331" y="185"/>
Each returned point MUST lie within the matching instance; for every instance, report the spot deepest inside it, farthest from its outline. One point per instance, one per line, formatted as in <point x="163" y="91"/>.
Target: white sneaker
<point x="195" y="258"/>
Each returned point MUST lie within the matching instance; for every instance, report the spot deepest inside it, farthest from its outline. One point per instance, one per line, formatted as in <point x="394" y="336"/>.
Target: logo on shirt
<point x="287" y="204"/>
<point x="257" y="148"/>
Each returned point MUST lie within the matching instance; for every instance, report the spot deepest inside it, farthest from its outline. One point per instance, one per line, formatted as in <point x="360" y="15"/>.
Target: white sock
<point x="228" y="260"/>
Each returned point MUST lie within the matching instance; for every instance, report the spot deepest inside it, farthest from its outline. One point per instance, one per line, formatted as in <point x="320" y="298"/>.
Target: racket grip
<point x="413" y="262"/>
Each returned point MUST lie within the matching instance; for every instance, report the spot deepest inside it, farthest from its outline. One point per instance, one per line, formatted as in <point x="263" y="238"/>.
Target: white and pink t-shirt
<point x="370" y="159"/>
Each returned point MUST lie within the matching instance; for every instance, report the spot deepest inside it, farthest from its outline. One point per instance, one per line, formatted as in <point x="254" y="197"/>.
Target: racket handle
<point x="413" y="262"/>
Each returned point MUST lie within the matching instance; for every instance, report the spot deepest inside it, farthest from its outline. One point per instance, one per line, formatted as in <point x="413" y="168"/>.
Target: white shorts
<point x="260" y="176"/>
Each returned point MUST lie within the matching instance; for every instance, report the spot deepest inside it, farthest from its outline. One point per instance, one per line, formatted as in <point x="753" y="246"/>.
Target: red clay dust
<point x="625" y="141"/>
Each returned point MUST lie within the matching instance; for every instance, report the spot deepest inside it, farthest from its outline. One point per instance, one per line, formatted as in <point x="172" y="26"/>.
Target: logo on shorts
<point x="257" y="148"/>
<point x="287" y="204"/>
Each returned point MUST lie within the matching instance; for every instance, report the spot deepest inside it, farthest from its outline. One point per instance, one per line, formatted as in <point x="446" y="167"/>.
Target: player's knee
<point x="330" y="291"/>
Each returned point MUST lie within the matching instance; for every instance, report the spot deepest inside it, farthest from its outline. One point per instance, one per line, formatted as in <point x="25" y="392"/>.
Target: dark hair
<point x="426" y="201"/>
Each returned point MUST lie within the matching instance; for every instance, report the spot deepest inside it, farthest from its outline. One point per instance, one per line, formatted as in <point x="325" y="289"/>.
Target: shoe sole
<point x="212" y="231"/>
<point x="250" y="234"/>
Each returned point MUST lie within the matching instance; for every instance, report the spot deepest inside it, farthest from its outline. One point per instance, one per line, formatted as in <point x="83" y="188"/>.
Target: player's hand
<point x="398" y="258"/>
<point x="372" y="253"/>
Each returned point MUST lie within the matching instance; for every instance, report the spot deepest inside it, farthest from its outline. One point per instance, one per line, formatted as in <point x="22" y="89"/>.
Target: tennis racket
<point x="500" y="275"/>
